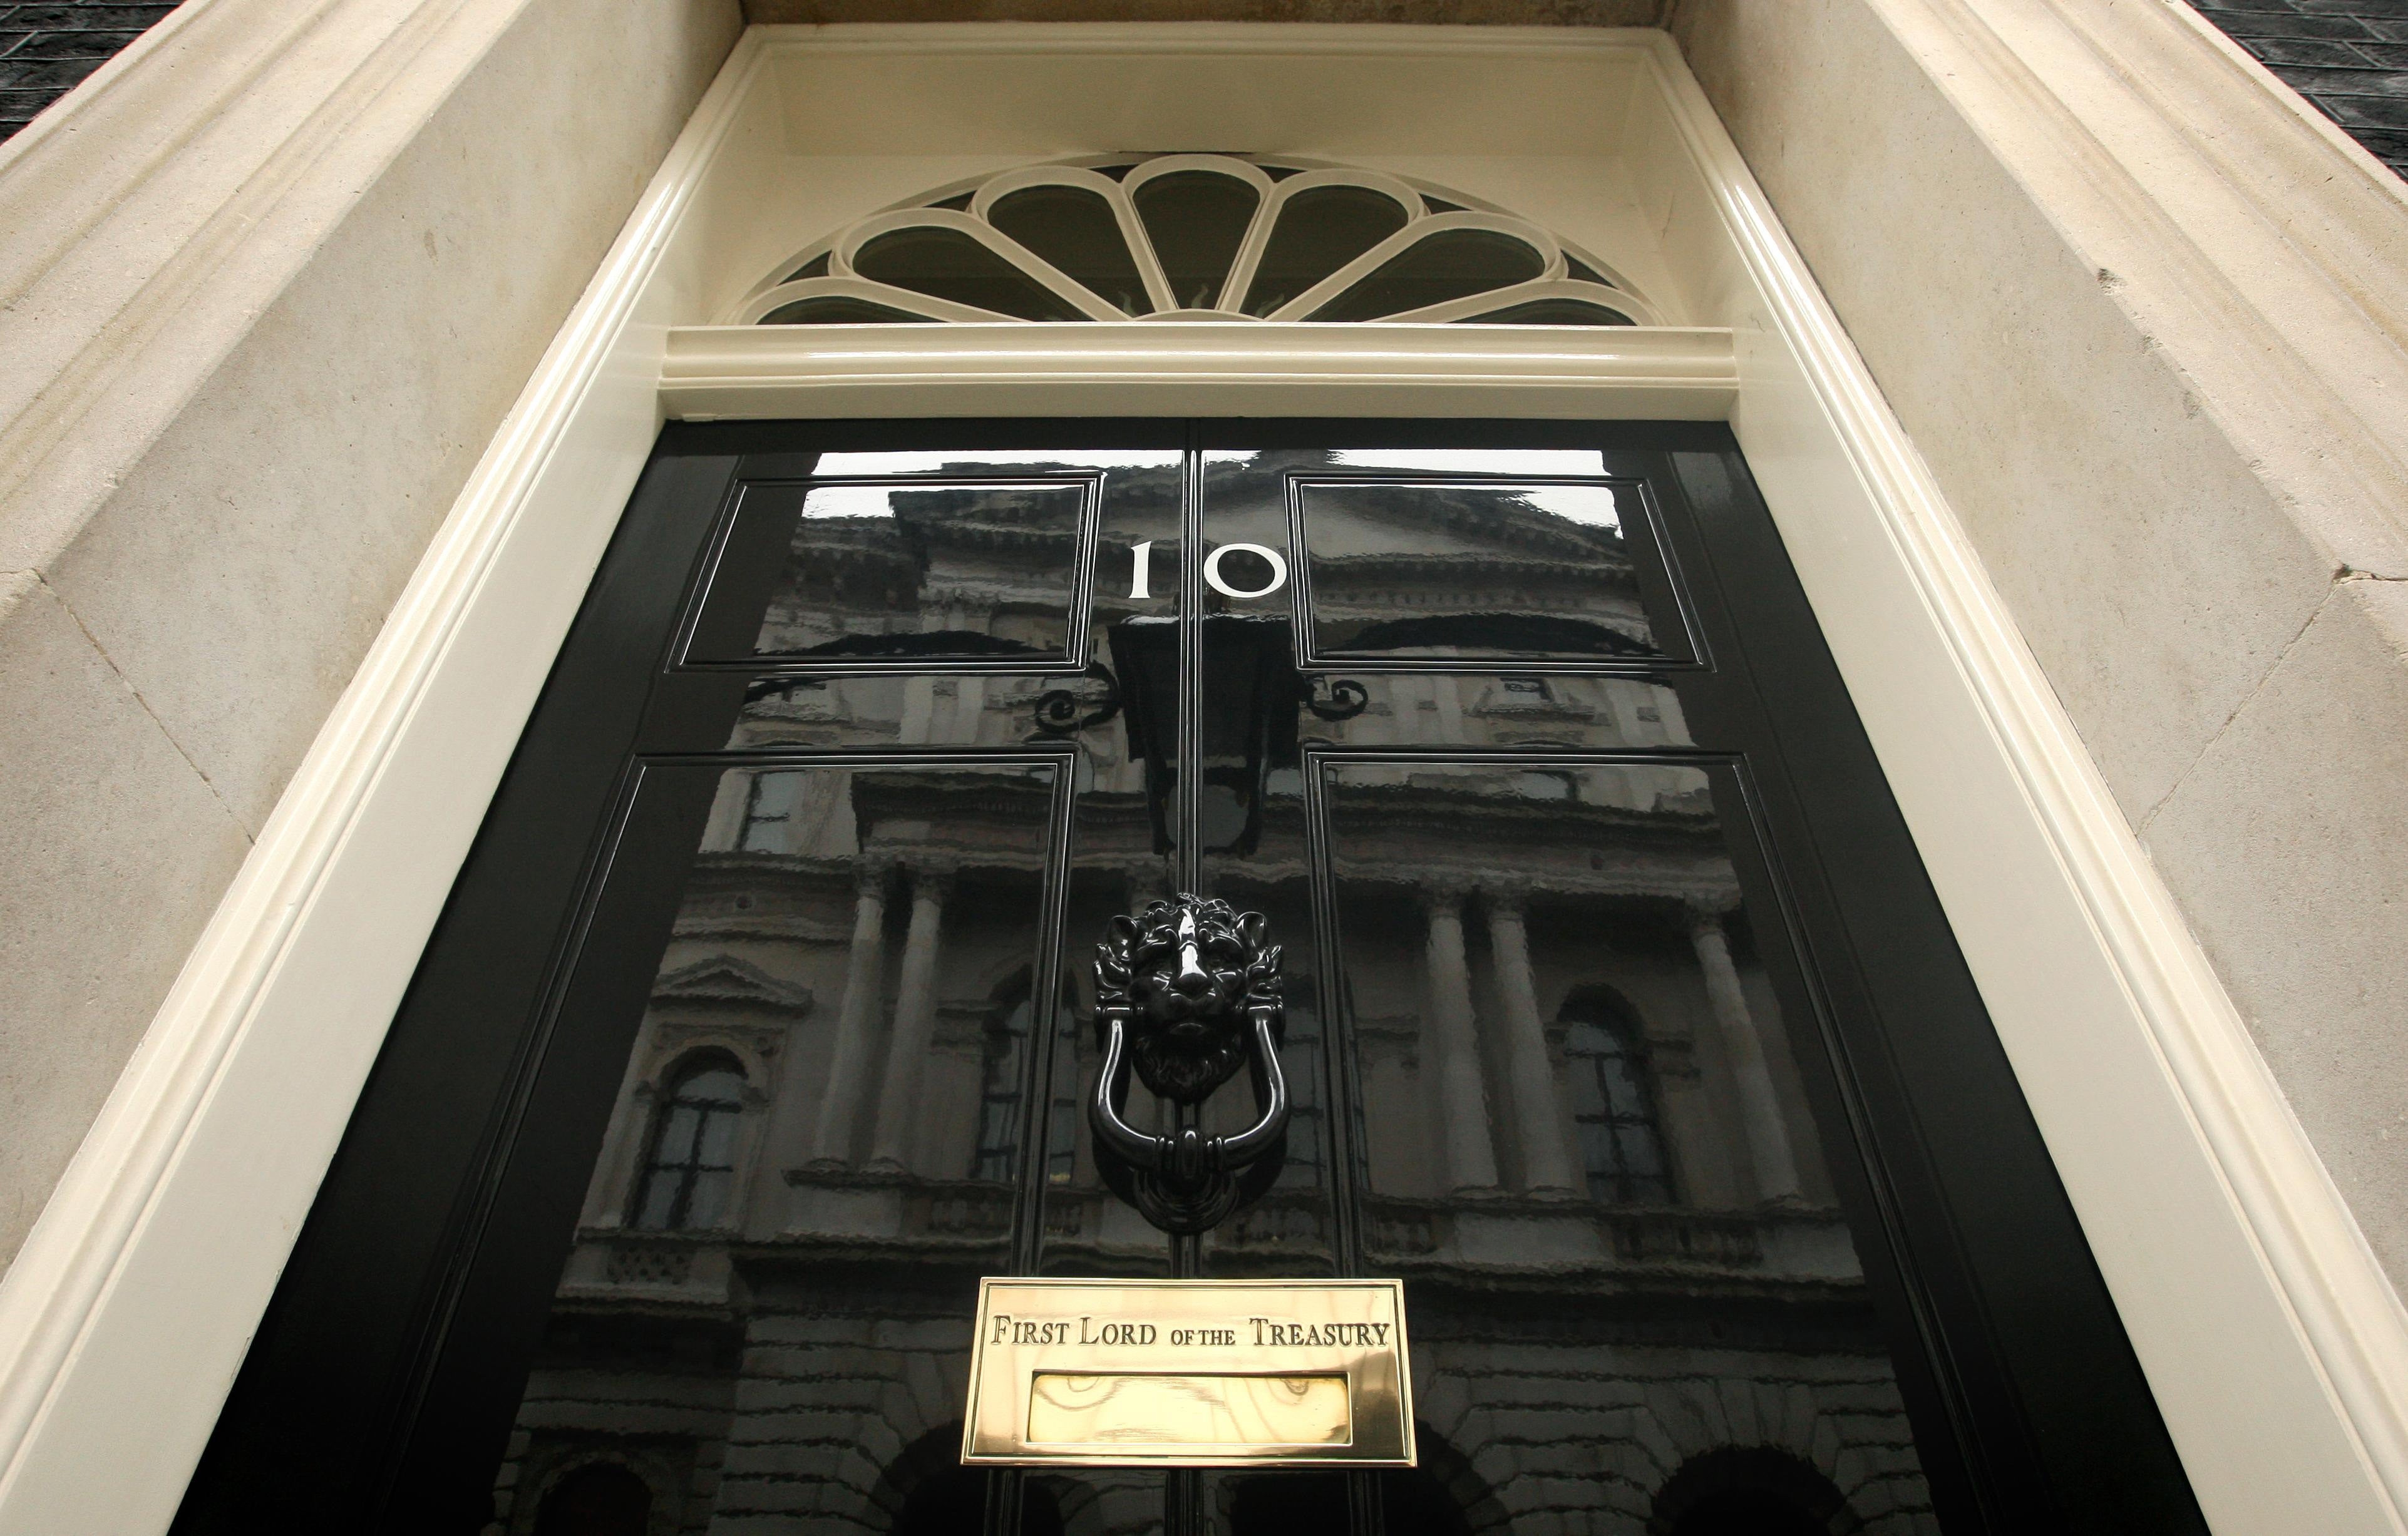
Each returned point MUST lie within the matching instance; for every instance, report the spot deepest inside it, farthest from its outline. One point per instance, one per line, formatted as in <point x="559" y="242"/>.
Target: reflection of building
<point x="1584" y="1139"/>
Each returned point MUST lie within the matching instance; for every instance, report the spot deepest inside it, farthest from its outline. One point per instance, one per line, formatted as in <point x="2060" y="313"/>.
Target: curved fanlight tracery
<point x="1194" y="237"/>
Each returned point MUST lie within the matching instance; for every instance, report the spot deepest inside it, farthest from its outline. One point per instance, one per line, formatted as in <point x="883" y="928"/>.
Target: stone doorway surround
<point x="2100" y="492"/>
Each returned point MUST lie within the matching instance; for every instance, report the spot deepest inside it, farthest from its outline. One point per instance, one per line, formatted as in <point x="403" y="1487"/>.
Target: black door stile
<point x="341" y="1341"/>
<point x="2048" y="1325"/>
<point x="386" y="1382"/>
<point x="484" y="1323"/>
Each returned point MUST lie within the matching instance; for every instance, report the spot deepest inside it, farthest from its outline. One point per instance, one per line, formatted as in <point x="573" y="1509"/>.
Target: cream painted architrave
<point x="2277" y="1352"/>
<point x="1175" y="368"/>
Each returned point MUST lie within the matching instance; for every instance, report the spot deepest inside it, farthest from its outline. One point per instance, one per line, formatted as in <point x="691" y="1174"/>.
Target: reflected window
<point x="1749" y="1490"/>
<point x="770" y="811"/>
<point x="1614" y="1100"/>
<point x="1542" y="784"/>
<point x="1448" y="569"/>
<point x="968" y="567"/>
<point x="1064" y="1118"/>
<point x="693" y="1164"/>
<point x="1003" y="1080"/>
<point x="1755" y="1513"/>
<point x="602" y="1498"/>
<point x="1300" y="1060"/>
<point x="998" y="1127"/>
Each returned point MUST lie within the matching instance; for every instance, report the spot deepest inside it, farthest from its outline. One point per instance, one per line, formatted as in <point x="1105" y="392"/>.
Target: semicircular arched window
<point x="690" y="1171"/>
<point x="1193" y="237"/>
<point x="1614" y="1098"/>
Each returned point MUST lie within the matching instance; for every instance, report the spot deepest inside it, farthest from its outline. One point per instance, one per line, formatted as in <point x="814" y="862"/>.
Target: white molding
<point x="167" y="1235"/>
<point x="2211" y="1277"/>
<point x="1213" y="39"/>
<point x="1170" y="367"/>
<point x="2273" y="1343"/>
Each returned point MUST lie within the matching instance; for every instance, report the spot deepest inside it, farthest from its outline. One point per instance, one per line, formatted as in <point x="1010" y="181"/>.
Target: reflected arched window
<point x="1300" y="1060"/>
<point x="1003" y="1079"/>
<point x="770" y="806"/>
<point x="1748" y="1490"/>
<point x="602" y="1498"/>
<point x="1614" y="1100"/>
<point x="1000" y="1073"/>
<point x="692" y="1168"/>
<point x="930" y="1493"/>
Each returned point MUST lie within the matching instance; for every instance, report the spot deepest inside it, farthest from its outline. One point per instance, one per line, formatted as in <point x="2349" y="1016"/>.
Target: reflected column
<point x="1760" y="1107"/>
<point x="1538" y="1113"/>
<point x="915" y="1017"/>
<point x="856" y="1020"/>
<point x="1463" y="1110"/>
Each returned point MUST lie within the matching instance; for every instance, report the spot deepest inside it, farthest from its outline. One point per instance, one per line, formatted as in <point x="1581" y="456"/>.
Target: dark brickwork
<point x="2348" y="57"/>
<point x="47" y="49"/>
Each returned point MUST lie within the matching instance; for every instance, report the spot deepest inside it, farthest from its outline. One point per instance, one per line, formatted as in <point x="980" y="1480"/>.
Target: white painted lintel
<point x="1654" y="373"/>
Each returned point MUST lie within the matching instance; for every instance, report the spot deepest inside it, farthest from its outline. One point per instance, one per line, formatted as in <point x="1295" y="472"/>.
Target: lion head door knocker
<point x="1187" y="992"/>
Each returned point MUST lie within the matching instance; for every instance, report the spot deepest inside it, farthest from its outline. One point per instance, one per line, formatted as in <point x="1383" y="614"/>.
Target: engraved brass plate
<point x="1190" y="1373"/>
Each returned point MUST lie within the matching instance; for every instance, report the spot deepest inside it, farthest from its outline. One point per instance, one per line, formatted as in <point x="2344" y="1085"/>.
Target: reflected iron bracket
<point x="1060" y="711"/>
<point x="1344" y="700"/>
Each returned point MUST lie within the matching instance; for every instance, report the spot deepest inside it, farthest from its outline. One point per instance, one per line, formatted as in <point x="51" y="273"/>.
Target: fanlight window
<point x="1194" y="237"/>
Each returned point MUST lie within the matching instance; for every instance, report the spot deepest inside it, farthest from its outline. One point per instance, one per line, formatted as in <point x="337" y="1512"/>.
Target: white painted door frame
<point x="2277" y="1351"/>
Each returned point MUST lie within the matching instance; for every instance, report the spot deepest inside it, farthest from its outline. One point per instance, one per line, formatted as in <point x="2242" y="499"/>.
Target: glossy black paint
<point x="387" y="1369"/>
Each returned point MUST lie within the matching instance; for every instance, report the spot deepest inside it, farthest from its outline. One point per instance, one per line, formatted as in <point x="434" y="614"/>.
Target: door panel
<point x="1622" y="1235"/>
<point x="1585" y="1136"/>
<point x="945" y="567"/>
<point x="1620" y="1021"/>
<point x="782" y="1228"/>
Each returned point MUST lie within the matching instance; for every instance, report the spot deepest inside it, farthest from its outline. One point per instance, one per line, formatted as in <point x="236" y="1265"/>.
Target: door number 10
<point x="1141" y="568"/>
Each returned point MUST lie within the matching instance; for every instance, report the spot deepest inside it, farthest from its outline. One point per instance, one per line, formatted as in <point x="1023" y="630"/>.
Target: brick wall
<point x="46" y="48"/>
<point x="2348" y="57"/>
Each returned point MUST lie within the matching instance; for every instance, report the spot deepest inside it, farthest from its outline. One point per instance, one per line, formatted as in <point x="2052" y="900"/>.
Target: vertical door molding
<point x="2277" y="1348"/>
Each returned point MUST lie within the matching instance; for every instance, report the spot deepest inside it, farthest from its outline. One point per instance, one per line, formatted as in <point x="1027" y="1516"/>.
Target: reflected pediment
<point x="724" y="981"/>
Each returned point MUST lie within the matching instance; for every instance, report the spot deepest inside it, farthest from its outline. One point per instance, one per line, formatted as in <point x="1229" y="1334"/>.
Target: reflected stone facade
<point x="1580" y="1133"/>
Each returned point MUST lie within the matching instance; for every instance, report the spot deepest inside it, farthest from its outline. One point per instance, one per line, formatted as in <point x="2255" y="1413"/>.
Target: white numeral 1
<point x="1140" y="570"/>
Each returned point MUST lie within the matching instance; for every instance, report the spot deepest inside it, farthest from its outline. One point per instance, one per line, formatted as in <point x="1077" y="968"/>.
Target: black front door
<point x="1621" y="1021"/>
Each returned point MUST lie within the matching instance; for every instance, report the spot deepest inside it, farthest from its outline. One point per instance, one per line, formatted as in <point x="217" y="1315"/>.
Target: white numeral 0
<point x="1277" y="562"/>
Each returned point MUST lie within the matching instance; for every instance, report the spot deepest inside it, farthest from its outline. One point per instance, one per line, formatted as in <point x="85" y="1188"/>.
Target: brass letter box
<point x="1190" y="1373"/>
